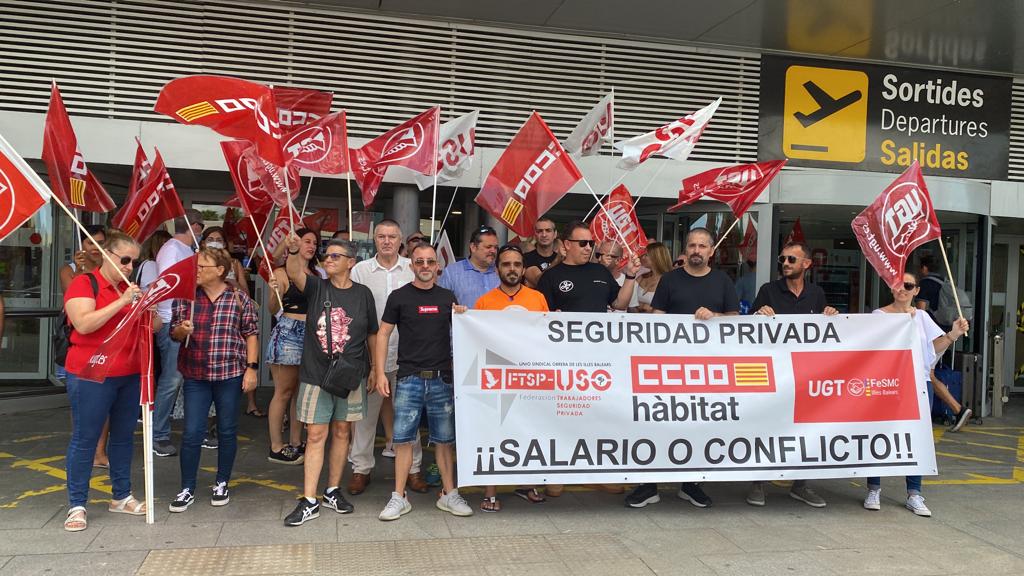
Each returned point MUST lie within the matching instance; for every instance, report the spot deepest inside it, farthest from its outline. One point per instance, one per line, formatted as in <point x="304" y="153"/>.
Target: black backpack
<point x="62" y="328"/>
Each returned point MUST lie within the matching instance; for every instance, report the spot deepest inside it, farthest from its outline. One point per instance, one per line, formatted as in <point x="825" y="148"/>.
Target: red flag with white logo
<point x="321" y="146"/>
<point x="140" y="169"/>
<point x="618" y="214"/>
<point x="531" y="175"/>
<point x="796" y="234"/>
<point x="594" y="130"/>
<point x="738" y="185"/>
<point x="899" y="220"/>
<point x="230" y="106"/>
<point x="246" y="232"/>
<point x="445" y="252"/>
<point x="298" y="107"/>
<point x="70" y="178"/>
<point x="412" y="144"/>
<point x="674" y="140"/>
<point x="321" y="220"/>
<point x="177" y="282"/>
<point x="22" y="191"/>
<point x="250" y="176"/>
<point x="748" y="246"/>
<point x="278" y="232"/>
<point x="458" y="144"/>
<point x="152" y="205"/>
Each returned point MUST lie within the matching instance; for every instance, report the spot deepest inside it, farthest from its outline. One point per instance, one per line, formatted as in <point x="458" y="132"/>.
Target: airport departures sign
<point x="854" y="116"/>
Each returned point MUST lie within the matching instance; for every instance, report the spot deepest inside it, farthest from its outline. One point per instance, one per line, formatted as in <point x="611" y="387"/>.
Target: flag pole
<point x="649" y="182"/>
<point x="610" y="188"/>
<point x="609" y="217"/>
<point x="266" y="257"/>
<point x="729" y="229"/>
<point x="302" y="213"/>
<point x="445" y="220"/>
<point x="348" y="187"/>
<point x="437" y="158"/>
<point x="261" y="231"/>
<point x="147" y="458"/>
<point x="85" y="234"/>
<point x="611" y="139"/>
<point x="949" y="274"/>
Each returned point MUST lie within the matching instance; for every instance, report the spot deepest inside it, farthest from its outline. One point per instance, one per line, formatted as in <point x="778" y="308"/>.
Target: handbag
<point x="341" y="377"/>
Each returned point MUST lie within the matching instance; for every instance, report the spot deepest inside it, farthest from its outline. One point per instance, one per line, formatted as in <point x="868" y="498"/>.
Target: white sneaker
<point x="454" y="503"/>
<point x="915" y="503"/>
<point x="874" y="500"/>
<point x="388" y="451"/>
<point x="395" y="508"/>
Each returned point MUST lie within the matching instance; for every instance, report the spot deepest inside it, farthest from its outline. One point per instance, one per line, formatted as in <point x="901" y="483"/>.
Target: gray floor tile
<point x="322" y="529"/>
<point x="105" y="563"/>
<point x="779" y="539"/>
<point x="765" y="564"/>
<point x="45" y="541"/>
<point x="27" y="516"/>
<point x="533" y="569"/>
<point x="883" y="562"/>
<point x="156" y="537"/>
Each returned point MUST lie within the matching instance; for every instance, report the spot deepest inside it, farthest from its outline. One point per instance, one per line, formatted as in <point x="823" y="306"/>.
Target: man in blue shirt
<point x="473" y="277"/>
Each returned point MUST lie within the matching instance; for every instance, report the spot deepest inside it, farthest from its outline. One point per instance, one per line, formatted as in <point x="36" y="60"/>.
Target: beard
<point x="792" y="273"/>
<point x="425" y="275"/>
<point x="695" y="260"/>
<point x="511" y="279"/>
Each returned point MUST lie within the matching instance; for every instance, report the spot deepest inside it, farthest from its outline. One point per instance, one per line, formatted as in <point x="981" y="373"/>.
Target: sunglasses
<point x="200" y="266"/>
<point x="908" y="286"/>
<point x="511" y="247"/>
<point x="335" y="255"/>
<point x="791" y="259"/>
<point x="481" y="231"/>
<point x="125" y="260"/>
<point x="583" y="243"/>
<point x="424" y="262"/>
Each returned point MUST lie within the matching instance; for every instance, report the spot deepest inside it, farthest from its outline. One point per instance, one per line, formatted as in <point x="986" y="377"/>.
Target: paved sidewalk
<point x="978" y="504"/>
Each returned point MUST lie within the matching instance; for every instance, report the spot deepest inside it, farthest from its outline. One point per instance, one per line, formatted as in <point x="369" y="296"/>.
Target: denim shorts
<point x="285" y="346"/>
<point x="412" y="394"/>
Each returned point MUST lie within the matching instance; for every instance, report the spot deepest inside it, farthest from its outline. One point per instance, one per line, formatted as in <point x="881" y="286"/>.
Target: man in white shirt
<point x="382" y="274"/>
<point x="179" y="247"/>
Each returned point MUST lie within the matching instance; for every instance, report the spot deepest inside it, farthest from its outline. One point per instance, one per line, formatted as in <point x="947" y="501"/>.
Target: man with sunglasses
<point x="469" y="279"/>
<point x="544" y="255"/>
<point x="693" y="288"/>
<point x="791" y="294"/>
<point x="339" y="343"/>
<point x="579" y="285"/>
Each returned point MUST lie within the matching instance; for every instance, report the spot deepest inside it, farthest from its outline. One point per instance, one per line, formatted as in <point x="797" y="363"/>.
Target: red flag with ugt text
<point x="533" y="173"/>
<point x="178" y="281"/>
<point x="899" y="220"/>
<point x="140" y="169"/>
<point x="71" y="180"/>
<point x="22" y="191"/>
<point x="617" y="222"/>
<point x="738" y="185"/>
<point x="412" y="144"/>
<point x="250" y="178"/>
<point x="297" y="107"/>
<point x="321" y="146"/>
<point x="796" y="234"/>
<point x="229" y="106"/>
<point x="152" y="205"/>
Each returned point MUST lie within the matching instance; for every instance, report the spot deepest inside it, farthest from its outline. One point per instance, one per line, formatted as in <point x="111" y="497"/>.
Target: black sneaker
<point x="301" y="449"/>
<point x="164" y="448"/>
<point x="220" y="496"/>
<point x="643" y="495"/>
<point x="287" y="455"/>
<point x="335" y="501"/>
<point x="304" y="511"/>
<point x="182" y="501"/>
<point x="210" y="442"/>
<point x="691" y="492"/>
<point x="961" y="419"/>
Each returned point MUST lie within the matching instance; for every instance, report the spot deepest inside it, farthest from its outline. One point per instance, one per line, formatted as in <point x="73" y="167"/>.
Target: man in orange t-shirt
<point x="511" y="293"/>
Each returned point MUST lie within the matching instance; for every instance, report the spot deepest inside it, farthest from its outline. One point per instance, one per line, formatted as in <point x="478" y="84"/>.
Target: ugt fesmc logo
<point x="856" y="386"/>
<point x="548" y="379"/>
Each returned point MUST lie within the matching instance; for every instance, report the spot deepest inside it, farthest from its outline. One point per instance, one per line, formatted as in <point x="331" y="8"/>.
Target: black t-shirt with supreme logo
<point x="424" y="322"/>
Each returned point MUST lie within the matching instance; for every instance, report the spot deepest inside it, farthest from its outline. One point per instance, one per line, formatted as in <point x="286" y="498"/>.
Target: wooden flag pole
<point x="600" y="200"/>
<point x="302" y="213"/>
<point x="609" y="217"/>
<point x="949" y="275"/>
<point x="192" y="303"/>
<point x="729" y="229"/>
<point x="348" y="187"/>
<point x="85" y="234"/>
<point x="266" y="258"/>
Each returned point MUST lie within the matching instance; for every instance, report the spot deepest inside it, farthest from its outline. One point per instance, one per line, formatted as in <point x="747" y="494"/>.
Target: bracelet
<point x="628" y="277"/>
<point x="950" y="338"/>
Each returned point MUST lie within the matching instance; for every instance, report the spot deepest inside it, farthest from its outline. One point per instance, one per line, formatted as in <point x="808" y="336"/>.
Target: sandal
<point x="256" y="413"/>
<point x="128" y="506"/>
<point x="490" y="504"/>
<point x="76" y="521"/>
<point x="530" y="495"/>
<point x="104" y="465"/>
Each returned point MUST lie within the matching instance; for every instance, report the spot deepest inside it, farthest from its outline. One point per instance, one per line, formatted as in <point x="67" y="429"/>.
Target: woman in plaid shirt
<point x="218" y="360"/>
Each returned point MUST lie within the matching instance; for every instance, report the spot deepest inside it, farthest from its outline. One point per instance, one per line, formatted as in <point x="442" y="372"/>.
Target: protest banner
<point x="570" y="398"/>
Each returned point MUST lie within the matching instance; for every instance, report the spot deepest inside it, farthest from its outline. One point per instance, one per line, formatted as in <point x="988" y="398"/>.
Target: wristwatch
<point x="628" y="277"/>
<point x="253" y="365"/>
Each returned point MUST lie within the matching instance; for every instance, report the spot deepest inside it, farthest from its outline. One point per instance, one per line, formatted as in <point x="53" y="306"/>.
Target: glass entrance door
<point x="1007" y="306"/>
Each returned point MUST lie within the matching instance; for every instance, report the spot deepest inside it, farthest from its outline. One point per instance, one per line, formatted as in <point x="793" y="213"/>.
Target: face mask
<point x="215" y="245"/>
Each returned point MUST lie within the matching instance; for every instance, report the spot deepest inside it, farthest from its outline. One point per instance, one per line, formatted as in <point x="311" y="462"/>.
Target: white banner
<point x="572" y="398"/>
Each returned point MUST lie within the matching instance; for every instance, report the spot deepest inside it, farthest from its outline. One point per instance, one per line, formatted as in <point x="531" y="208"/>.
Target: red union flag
<point x="278" y="232"/>
<point x="458" y="143"/>
<point x="22" y="191"/>
<point x="229" y="106"/>
<point x="533" y="173"/>
<point x="738" y="185"/>
<point x="178" y="281"/>
<point x="899" y="220"/>
<point x="325" y="219"/>
<point x="796" y="234"/>
<point x="412" y="145"/>
<point x="321" y="146"/>
<point x="152" y="205"/>
<point x="594" y="130"/>
<point x="748" y="246"/>
<point x="250" y="176"/>
<point x="246" y="232"/>
<point x="674" y="140"/>
<point x="618" y="214"/>
<point x="140" y="169"/>
<point x="72" y="181"/>
<point x="297" y="107"/>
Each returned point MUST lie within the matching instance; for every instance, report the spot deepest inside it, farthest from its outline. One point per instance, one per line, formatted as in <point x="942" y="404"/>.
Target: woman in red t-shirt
<point x="95" y="304"/>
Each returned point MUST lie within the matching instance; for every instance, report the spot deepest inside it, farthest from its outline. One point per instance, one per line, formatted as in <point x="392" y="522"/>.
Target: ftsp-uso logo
<point x="545" y="379"/>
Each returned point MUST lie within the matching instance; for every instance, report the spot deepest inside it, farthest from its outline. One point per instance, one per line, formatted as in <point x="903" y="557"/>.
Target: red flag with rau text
<point x="178" y="281"/>
<point x="738" y="185"/>
<point x="618" y="214"/>
<point x="229" y="106"/>
<point x="22" y="191"/>
<point x="533" y="174"/>
<point x="152" y="205"/>
<point x="70" y="178"/>
<point x="898" y="221"/>
<point x="412" y="144"/>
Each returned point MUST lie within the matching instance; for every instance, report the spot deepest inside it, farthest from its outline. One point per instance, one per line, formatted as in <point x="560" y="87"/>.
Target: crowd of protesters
<point x="358" y="343"/>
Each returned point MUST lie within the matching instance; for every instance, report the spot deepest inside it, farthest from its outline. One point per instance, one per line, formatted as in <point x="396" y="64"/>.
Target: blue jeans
<point x="225" y="395"/>
<point x="91" y="404"/>
<point x="412" y="395"/>
<point x="913" y="483"/>
<point x="168" y="384"/>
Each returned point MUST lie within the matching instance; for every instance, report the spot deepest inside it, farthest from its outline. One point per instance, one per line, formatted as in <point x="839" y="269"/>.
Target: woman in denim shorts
<point x="284" y="353"/>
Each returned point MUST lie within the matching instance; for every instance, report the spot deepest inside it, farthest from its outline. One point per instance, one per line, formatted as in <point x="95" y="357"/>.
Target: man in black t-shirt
<point x="579" y="285"/>
<point x="791" y="295"/>
<point x="544" y="255"/>
<point x="422" y="311"/>
<point x="693" y="288"/>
